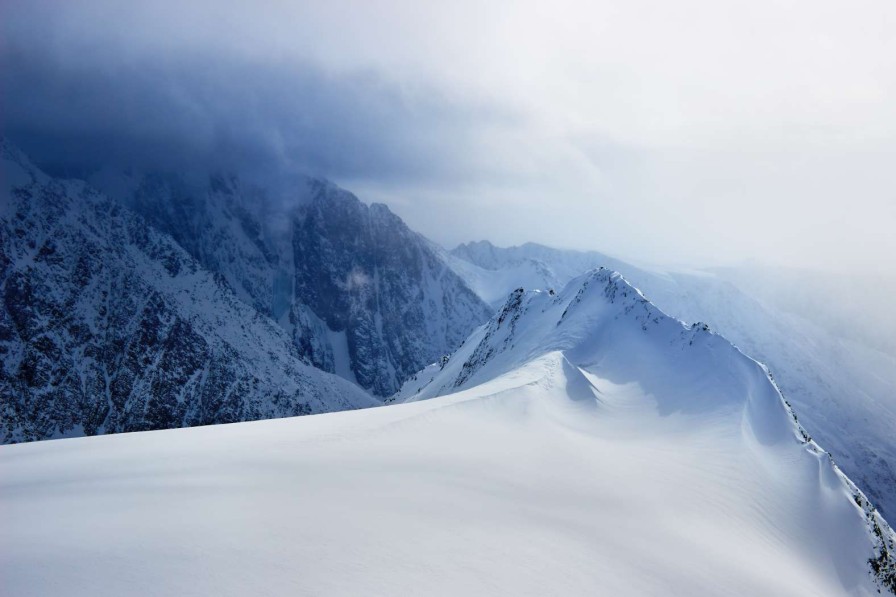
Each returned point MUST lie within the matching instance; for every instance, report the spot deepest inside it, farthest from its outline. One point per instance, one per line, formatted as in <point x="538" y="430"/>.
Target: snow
<point x="342" y="362"/>
<point x="597" y="447"/>
<point x="492" y="286"/>
<point x="839" y="374"/>
<point x="134" y="280"/>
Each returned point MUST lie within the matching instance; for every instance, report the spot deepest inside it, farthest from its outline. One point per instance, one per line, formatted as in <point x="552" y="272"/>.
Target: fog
<point x="693" y="133"/>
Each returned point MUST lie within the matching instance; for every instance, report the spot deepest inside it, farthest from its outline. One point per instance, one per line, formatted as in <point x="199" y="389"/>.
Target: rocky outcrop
<point x="349" y="282"/>
<point x="364" y="272"/>
<point x="107" y="325"/>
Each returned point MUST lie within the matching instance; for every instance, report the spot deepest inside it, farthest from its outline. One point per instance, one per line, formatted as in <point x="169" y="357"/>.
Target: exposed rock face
<point x="107" y="325"/>
<point x="360" y="293"/>
<point x="363" y="271"/>
<point x="218" y="221"/>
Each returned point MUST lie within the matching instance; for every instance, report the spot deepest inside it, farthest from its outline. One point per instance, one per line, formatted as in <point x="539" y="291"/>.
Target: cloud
<point x="221" y="110"/>
<point x="695" y="132"/>
<point x="357" y="280"/>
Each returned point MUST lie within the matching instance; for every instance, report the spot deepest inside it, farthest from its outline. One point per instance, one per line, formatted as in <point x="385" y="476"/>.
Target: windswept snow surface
<point x="840" y="378"/>
<point x="589" y="445"/>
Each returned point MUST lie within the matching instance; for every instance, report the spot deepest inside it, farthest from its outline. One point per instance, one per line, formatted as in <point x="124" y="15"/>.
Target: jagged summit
<point x="599" y="322"/>
<point x="563" y="320"/>
<point x="348" y="286"/>
<point x="586" y="443"/>
<point x="360" y="294"/>
<point x="369" y="277"/>
<point x="843" y="385"/>
<point x="612" y="349"/>
<point x="580" y="433"/>
<point x="597" y="317"/>
<point x="480" y="252"/>
<point x="107" y="325"/>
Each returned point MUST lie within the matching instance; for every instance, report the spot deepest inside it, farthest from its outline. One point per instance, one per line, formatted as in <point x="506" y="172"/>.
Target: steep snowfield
<point x="590" y="445"/>
<point x="842" y="382"/>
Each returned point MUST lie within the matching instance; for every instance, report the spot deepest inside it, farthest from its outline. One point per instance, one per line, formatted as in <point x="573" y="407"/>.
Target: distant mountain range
<point x="166" y="299"/>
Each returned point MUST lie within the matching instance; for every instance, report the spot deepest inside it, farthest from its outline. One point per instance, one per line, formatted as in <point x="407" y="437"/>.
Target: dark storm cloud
<point x="205" y="110"/>
<point x="688" y="132"/>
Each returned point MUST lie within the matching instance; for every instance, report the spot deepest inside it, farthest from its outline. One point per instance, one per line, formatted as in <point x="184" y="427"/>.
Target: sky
<point x="693" y="133"/>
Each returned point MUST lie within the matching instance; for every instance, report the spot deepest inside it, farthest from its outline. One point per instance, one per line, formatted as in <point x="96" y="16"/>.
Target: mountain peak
<point x="594" y="319"/>
<point x="108" y="325"/>
<point x="612" y="349"/>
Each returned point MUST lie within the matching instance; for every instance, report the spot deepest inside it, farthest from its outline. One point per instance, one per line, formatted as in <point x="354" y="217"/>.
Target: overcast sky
<point x="690" y="132"/>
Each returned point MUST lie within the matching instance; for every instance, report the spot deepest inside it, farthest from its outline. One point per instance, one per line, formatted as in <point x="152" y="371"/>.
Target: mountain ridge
<point x="593" y="456"/>
<point x="844" y="389"/>
<point x="108" y="325"/>
<point x="349" y="281"/>
<point x="535" y="324"/>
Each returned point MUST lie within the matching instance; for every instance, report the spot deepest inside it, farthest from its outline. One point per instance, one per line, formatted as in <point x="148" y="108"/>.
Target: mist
<point x="693" y="134"/>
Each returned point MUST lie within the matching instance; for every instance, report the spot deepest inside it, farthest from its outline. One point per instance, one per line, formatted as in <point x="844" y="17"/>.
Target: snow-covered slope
<point x="620" y="354"/>
<point x="360" y="293"/>
<point x="107" y="325"/>
<point x="590" y="445"/>
<point x="843" y="388"/>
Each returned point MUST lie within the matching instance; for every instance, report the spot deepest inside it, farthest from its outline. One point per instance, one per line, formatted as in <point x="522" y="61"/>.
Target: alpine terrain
<point x="184" y="300"/>
<point x="360" y="294"/>
<point x="841" y="379"/>
<point x="223" y="373"/>
<point x="107" y="325"/>
<point x="579" y="442"/>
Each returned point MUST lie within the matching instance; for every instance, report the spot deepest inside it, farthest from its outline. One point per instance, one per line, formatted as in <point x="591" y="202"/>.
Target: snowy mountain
<point x="843" y="387"/>
<point x="494" y="271"/>
<point x="631" y="366"/>
<point x="360" y="293"/>
<point x="107" y="325"/>
<point x="581" y="442"/>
